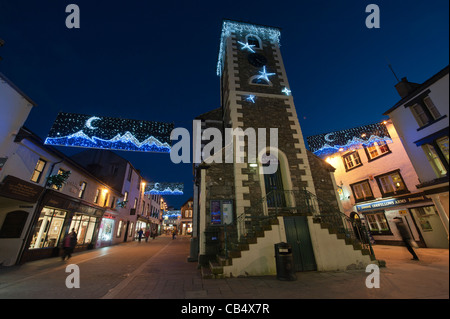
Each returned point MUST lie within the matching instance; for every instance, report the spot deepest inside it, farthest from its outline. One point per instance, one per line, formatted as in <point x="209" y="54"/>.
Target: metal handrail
<point x="294" y="202"/>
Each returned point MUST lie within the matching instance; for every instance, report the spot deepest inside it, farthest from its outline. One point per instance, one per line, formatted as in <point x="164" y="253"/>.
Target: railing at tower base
<point x="252" y="223"/>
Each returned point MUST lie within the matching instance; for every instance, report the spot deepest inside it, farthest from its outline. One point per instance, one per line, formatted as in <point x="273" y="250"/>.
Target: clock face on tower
<point x="257" y="59"/>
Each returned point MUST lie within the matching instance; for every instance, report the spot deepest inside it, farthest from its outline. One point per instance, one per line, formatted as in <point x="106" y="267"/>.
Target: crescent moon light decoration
<point x="327" y="137"/>
<point x="89" y="122"/>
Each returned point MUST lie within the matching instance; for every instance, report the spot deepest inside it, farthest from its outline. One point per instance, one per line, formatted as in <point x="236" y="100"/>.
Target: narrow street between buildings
<point x="158" y="269"/>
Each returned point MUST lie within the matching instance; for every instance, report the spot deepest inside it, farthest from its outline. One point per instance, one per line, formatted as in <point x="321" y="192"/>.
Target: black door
<point x="297" y="235"/>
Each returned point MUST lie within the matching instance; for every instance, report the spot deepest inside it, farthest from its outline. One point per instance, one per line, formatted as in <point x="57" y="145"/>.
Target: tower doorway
<point x="298" y="236"/>
<point x="275" y="196"/>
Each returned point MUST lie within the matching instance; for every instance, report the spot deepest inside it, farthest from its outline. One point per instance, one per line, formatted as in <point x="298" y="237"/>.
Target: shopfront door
<point x="430" y="226"/>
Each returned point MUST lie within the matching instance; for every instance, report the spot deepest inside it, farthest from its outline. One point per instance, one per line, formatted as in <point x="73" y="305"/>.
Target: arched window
<point x="254" y="40"/>
<point x="256" y="79"/>
<point x="13" y="224"/>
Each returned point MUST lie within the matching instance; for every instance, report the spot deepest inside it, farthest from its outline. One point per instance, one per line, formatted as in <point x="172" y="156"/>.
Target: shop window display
<point x="48" y="229"/>
<point x="84" y="227"/>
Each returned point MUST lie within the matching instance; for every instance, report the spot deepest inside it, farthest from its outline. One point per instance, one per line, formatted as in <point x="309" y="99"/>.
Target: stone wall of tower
<point x="272" y="109"/>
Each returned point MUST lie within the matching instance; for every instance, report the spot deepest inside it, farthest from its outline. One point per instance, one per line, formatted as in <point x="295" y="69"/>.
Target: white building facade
<point x="36" y="215"/>
<point x="421" y="119"/>
<point x="377" y="182"/>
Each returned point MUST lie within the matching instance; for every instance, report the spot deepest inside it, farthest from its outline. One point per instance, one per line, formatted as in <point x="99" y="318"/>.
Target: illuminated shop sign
<point x="391" y="202"/>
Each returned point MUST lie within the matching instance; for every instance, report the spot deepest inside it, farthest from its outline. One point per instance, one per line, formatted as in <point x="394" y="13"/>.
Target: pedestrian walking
<point x="69" y="243"/>
<point x="406" y="237"/>
<point x="147" y="235"/>
<point x="140" y="233"/>
<point x="174" y="232"/>
<point x="153" y="234"/>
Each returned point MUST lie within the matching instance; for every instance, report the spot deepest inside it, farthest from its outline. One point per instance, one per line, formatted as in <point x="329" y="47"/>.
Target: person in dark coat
<point x="405" y="236"/>
<point x="140" y="233"/>
<point x="69" y="243"/>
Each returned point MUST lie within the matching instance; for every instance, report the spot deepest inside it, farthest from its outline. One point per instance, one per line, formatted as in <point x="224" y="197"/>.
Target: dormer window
<point x="424" y="110"/>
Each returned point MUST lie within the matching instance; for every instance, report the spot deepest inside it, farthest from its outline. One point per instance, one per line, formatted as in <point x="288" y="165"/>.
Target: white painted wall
<point x="333" y="254"/>
<point x="14" y="110"/>
<point x="21" y="164"/>
<point x="259" y="260"/>
<point x="407" y="126"/>
<point x="397" y="159"/>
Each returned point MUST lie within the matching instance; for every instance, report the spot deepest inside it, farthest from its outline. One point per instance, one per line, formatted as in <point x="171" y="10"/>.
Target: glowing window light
<point x="241" y="29"/>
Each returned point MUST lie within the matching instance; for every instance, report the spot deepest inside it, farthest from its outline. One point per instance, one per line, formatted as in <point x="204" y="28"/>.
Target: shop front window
<point x="378" y="224"/>
<point x="48" y="229"/>
<point x="106" y="230"/>
<point x="84" y="226"/>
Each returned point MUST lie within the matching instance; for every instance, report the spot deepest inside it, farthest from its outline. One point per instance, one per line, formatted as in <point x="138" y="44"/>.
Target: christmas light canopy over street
<point x="163" y="188"/>
<point x="79" y="130"/>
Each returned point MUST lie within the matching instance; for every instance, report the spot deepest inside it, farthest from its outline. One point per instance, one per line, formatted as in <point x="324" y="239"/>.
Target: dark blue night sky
<point x="156" y="61"/>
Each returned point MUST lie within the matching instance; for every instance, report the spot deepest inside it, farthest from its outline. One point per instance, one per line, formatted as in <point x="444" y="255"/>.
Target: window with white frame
<point x="82" y="189"/>
<point x="377" y="223"/>
<point x="442" y="144"/>
<point x="352" y="160"/>
<point x="97" y="195"/>
<point x="377" y="149"/>
<point x="435" y="160"/>
<point x="362" y="191"/>
<point x="423" y="109"/>
<point x="38" y="170"/>
<point x="391" y="183"/>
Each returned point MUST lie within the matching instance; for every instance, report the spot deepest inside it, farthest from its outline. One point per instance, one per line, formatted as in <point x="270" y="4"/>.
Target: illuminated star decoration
<point x="264" y="75"/>
<point x="247" y="46"/>
<point x="251" y="98"/>
<point x="286" y="91"/>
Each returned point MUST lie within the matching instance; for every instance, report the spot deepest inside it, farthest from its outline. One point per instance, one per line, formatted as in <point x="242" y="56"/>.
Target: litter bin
<point x="284" y="262"/>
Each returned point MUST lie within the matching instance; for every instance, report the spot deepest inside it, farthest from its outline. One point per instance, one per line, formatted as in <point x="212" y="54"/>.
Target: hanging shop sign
<point x="15" y="188"/>
<point x="391" y="202"/>
<point x="79" y="130"/>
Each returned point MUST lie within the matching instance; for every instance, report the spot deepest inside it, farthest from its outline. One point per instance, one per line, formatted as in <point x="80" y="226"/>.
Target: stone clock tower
<point x="243" y="208"/>
<point x="255" y="93"/>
